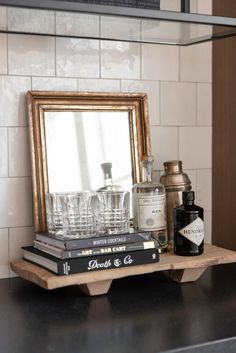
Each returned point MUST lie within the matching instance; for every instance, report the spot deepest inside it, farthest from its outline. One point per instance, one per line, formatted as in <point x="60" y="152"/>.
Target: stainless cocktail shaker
<point x="175" y="182"/>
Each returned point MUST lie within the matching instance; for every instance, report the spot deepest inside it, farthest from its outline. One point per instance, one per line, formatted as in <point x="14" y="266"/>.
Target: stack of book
<point x="65" y="257"/>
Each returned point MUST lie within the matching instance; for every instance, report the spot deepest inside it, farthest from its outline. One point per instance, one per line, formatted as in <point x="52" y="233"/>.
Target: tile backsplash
<point x="176" y="80"/>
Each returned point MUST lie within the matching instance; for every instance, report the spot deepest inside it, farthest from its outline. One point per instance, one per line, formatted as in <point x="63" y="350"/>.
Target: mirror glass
<point x="78" y="142"/>
<point x="74" y="134"/>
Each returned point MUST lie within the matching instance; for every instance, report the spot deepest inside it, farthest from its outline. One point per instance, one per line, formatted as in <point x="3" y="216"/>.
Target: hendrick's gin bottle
<point x="188" y="227"/>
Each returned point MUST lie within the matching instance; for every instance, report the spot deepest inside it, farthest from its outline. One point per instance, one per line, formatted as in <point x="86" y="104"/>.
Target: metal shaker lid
<point x="174" y="178"/>
<point x="173" y="167"/>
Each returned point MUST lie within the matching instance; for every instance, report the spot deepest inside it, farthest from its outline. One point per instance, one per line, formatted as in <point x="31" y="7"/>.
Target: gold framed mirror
<point x="73" y="133"/>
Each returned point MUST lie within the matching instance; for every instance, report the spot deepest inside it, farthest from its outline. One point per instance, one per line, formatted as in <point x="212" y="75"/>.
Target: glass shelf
<point x="114" y="23"/>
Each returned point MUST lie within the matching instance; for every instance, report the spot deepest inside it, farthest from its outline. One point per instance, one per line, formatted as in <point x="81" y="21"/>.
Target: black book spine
<point x="67" y="254"/>
<point x="104" y="262"/>
<point x="96" y="241"/>
<point x="106" y="241"/>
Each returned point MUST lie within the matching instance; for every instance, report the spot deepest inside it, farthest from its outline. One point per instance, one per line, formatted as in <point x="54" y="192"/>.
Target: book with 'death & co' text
<point x="90" y="263"/>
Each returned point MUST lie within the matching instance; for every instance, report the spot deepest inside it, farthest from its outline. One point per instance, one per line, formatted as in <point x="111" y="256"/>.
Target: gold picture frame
<point x="40" y="102"/>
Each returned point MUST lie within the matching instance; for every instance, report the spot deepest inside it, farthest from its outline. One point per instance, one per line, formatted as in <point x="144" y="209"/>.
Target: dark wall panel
<point x="224" y="134"/>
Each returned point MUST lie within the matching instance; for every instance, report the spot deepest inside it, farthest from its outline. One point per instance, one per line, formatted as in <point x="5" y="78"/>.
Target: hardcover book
<point x="89" y="263"/>
<point x="70" y="244"/>
<point x="143" y="4"/>
<point x="66" y="254"/>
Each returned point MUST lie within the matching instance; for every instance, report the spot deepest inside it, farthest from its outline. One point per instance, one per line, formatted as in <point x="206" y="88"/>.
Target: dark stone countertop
<point x="140" y="314"/>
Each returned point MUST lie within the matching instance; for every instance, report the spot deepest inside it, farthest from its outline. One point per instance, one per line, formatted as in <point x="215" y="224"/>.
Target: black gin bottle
<point x="188" y="227"/>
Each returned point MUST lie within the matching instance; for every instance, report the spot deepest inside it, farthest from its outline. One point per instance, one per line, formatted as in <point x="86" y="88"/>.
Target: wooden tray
<point x="182" y="269"/>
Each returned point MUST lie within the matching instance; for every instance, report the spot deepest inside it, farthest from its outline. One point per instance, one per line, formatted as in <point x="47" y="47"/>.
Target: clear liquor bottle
<point x="108" y="181"/>
<point x="149" y="206"/>
<point x="113" y="205"/>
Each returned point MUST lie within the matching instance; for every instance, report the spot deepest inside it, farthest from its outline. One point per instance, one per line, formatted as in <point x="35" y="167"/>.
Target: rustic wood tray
<point x="181" y="269"/>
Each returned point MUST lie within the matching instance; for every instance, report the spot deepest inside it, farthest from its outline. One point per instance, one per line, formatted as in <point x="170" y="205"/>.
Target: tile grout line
<point x="17" y="227"/>
<point x="108" y="78"/>
<point x="55" y="43"/>
<point x="9" y="252"/>
<point x="17" y="177"/>
<point x="141" y="51"/>
<point x="160" y="102"/>
<point x="8" y="154"/>
<point x="7" y="43"/>
<point x="197" y="183"/>
<point x="100" y="48"/>
<point x="178" y="143"/>
<point x="196" y="104"/>
<point x="179" y="64"/>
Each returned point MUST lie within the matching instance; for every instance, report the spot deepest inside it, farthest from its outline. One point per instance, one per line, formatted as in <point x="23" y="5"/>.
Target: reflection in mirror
<point x="73" y="134"/>
<point x="79" y="142"/>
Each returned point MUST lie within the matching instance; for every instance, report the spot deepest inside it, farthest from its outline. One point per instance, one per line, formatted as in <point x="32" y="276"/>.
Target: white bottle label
<point x="150" y="212"/>
<point x="194" y="231"/>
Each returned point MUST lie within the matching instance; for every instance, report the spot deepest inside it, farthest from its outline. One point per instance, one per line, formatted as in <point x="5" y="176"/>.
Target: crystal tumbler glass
<point x="54" y="205"/>
<point x="112" y="209"/>
<point x="78" y="215"/>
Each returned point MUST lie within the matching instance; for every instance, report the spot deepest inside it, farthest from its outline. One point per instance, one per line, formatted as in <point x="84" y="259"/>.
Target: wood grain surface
<point x="224" y="132"/>
<point x="182" y="269"/>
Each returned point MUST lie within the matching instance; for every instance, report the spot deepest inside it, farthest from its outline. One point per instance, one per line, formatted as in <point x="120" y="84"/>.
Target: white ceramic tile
<point x="18" y="237"/>
<point x="99" y="85"/>
<point x="195" y="147"/>
<point x="199" y="31"/>
<point x="77" y="24"/>
<point x="164" y="142"/>
<point x="163" y="30"/>
<point x="15" y="202"/>
<point x="194" y="6"/>
<point x="28" y="56"/>
<point x="204" y="104"/>
<point x="13" y="110"/>
<point x="19" y="152"/>
<point x="205" y="7"/>
<point x="204" y="189"/>
<point x="3" y="56"/>
<point x="160" y="62"/>
<point x="152" y="89"/>
<point x="170" y="5"/>
<point x="120" y="28"/>
<point x="120" y="60"/>
<point x="3" y="152"/>
<point x="178" y="103"/>
<point x="54" y="84"/>
<point x="3" y="17"/>
<point x="77" y="57"/>
<point x="208" y="227"/>
<point x="28" y="20"/>
<point x="4" y="254"/>
<point x="196" y="63"/>
<point x="192" y="174"/>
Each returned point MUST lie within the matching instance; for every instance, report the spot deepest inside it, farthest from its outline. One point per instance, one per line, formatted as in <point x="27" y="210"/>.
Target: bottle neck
<point x="108" y="177"/>
<point x="188" y="203"/>
<point x="173" y="167"/>
<point x="107" y="180"/>
<point x="147" y="170"/>
<point x="107" y="174"/>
